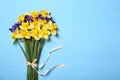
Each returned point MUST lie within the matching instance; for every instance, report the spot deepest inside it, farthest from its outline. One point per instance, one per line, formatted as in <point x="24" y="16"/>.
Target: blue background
<point x="89" y="30"/>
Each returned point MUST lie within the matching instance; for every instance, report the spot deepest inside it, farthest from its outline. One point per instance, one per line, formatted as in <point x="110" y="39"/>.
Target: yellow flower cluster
<point x="34" y="25"/>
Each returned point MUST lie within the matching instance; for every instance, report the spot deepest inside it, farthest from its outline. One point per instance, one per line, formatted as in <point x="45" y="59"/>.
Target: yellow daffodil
<point x="21" y="18"/>
<point x="34" y="14"/>
<point x="53" y="32"/>
<point x="31" y="26"/>
<point x="34" y="21"/>
<point x="15" y="34"/>
<point x="42" y="22"/>
<point x="44" y="33"/>
<point x="52" y="27"/>
<point x="34" y="34"/>
<point x="44" y="13"/>
<point x="24" y="34"/>
<point x="24" y="26"/>
<point x="37" y="26"/>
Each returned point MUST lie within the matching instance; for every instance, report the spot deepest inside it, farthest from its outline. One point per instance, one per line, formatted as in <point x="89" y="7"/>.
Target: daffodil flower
<point x="52" y="27"/>
<point x="44" y="13"/>
<point x="15" y="34"/>
<point x="44" y="33"/>
<point x="34" y="14"/>
<point x="21" y="18"/>
<point x="34" y="34"/>
<point x="25" y="34"/>
<point x="24" y="26"/>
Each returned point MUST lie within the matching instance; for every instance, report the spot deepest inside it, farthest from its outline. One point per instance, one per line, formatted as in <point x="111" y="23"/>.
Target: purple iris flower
<point x="39" y="16"/>
<point x="17" y="24"/>
<point x="28" y="18"/>
<point x="45" y="18"/>
<point x="49" y="19"/>
<point x="14" y="27"/>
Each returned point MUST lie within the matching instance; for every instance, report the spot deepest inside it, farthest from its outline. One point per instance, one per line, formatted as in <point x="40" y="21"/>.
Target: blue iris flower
<point x="14" y="26"/>
<point x="28" y="18"/>
<point x="45" y="18"/>
<point x="39" y="16"/>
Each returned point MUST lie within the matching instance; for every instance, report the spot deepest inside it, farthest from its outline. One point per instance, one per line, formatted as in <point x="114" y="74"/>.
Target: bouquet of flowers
<point x="33" y="29"/>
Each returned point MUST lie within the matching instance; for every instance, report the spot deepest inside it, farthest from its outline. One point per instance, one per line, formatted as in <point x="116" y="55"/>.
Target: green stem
<point x="26" y="46"/>
<point x="36" y="49"/>
<point x="31" y="73"/>
<point x="33" y="50"/>
<point x="21" y="48"/>
<point x="40" y="46"/>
